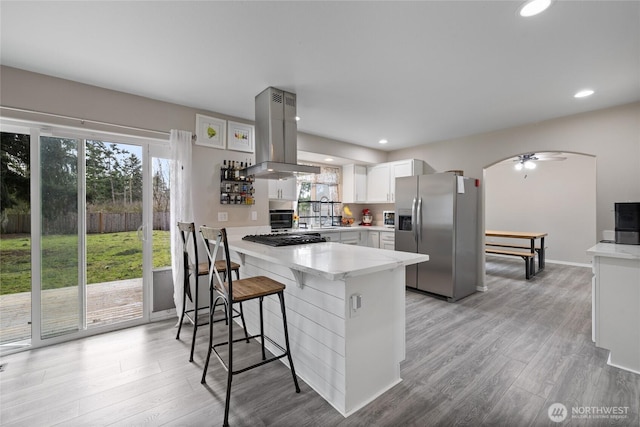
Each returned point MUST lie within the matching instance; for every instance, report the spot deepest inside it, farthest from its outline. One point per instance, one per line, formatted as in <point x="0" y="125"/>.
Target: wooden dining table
<point x="529" y="235"/>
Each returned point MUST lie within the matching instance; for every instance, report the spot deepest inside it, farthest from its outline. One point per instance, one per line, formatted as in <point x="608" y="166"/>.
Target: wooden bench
<point x="510" y="245"/>
<point x="526" y="256"/>
<point x="515" y="246"/>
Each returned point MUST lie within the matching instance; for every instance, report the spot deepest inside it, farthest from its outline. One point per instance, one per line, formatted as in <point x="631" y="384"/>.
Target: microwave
<point x="281" y="219"/>
<point x="627" y="223"/>
<point x="389" y="218"/>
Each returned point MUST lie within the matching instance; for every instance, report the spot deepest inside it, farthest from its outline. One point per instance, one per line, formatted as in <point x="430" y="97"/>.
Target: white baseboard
<point x="575" y="264"/>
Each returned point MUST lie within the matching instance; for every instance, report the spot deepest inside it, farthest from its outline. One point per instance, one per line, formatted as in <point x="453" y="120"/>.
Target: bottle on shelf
<point x="235" y="187"/>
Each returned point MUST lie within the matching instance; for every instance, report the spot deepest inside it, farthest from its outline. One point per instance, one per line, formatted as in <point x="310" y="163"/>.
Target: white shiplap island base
<point x="348" y="356"/>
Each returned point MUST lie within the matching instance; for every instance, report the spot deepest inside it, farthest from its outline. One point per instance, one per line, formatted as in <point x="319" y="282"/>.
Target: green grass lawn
<point x="110" y="256"/>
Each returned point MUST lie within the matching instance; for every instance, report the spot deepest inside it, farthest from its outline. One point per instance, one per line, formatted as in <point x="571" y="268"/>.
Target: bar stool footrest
<point x="271" y="359"/>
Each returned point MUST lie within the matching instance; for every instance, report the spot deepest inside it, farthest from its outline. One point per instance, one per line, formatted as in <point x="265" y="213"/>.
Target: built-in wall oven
<point x="281" y="219"/>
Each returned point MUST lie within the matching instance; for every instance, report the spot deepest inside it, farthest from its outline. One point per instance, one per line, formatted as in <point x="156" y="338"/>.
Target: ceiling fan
<point x="527" y="161"/>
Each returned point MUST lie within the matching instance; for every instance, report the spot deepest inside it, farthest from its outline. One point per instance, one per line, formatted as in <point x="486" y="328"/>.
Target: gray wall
<point x="37" y="92"/>
<point x="611" y="135"/>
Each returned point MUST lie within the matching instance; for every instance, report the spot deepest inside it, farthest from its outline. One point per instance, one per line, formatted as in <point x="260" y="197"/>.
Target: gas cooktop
<point x="285" y="239"/>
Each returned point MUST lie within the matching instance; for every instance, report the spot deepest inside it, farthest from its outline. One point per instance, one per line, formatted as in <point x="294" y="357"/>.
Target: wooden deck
<point x="107" y="303"/>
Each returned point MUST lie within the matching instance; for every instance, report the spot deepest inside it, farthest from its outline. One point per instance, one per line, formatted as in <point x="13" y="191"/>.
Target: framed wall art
<point x="240" y="137"/>
<point x="210" y="132"/>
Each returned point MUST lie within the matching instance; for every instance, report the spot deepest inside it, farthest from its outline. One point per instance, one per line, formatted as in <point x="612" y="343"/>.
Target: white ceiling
<point x="411" y="72"/>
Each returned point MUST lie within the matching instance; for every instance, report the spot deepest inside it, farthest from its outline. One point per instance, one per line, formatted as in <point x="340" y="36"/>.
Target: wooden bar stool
<point x="195" y="269"/>
<point x="229" y="291"/>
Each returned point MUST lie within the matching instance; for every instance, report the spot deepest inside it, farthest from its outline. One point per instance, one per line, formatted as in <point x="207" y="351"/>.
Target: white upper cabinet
<point x="402" y="168"/>
<point x="354" y="184"/>
<point x="381" y="179"/>
<point x="378" y="183"/>
<point x="285" y="189"/>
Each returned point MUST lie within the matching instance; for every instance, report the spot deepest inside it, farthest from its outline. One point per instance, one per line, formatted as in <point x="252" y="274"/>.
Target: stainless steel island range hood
<point x="276" y="137"/>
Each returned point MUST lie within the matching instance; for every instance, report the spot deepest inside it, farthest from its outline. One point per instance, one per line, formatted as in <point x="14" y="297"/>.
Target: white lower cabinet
<point x="387" y="240"/>
<point x="616" y="309"/>
<point x="362" y="237"/>
<point x="373" y="239"/>
<point x="330" y="237"/>
<point x="350" y="237"/>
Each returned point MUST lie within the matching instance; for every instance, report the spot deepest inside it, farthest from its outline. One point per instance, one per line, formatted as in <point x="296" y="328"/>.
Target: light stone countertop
<point x="334" y="261"/>
<point x="613" y="250"/>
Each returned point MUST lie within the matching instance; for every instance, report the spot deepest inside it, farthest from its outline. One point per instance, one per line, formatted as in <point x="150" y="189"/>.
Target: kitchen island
<point x="616" y="303"/>
<point x="345" y="311"/>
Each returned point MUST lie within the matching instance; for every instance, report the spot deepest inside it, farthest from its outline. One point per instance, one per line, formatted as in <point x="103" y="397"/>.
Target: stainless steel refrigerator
<point x="437" y="215"/>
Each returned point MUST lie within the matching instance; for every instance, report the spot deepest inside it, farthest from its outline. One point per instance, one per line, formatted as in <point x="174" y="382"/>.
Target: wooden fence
<point x="96" y="223"/>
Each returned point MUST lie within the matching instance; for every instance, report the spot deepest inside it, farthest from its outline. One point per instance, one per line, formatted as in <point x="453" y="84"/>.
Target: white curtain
<point x="181" y="205"/>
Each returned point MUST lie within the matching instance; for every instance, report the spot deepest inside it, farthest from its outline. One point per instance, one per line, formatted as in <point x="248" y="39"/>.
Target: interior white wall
<point x="557" y="197"/>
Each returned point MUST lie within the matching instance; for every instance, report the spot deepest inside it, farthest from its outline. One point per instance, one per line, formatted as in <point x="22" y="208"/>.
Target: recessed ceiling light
<point x="583" y="93"/>
<point x="383" y="141"/>
<point x="534" y="7"/>
<point x="297" y="118"/>
<point x="328" y="159"/>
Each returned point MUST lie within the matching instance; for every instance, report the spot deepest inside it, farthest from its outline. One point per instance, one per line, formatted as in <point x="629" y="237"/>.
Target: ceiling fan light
<point x="529" y="165"/>
<point x="534" y="7"/>
<point x="518" y="166"/>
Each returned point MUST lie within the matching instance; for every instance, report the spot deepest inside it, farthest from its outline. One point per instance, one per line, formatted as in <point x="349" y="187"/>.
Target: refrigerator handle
<point x="413" y="220"/>
<point x="419" y="220"/>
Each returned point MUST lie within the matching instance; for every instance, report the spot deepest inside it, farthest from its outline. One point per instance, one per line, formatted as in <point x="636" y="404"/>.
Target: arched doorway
<point x="558" y="197"/>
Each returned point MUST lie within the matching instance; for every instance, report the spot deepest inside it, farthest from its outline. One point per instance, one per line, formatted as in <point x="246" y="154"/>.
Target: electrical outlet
<point x="355" y="305"/>
<point x="254" y="216"/>
<point x="222" y="217"/>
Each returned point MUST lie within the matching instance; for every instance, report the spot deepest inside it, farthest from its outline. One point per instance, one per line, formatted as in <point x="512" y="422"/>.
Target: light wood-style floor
<point x="495" y="358"/>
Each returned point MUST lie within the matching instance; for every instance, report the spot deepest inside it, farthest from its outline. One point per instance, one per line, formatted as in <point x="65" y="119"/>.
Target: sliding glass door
<point x="115" y="232"/>
<point x="15" y="238"/>
<point x="92" y="234"/>
<point x="76" y="243"/>
<point x="61" y="260"/>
